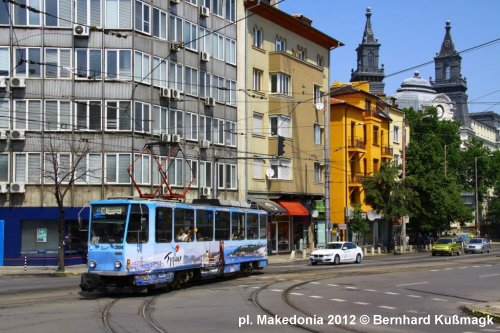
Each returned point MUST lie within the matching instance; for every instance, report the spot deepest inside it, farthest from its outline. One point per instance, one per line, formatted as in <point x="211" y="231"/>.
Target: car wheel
<point x="314" y="263"/>
<point x="358" y="259"/>
<point x="336" y="260"/>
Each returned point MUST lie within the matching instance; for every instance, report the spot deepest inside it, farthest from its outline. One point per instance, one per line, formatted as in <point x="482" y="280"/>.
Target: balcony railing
<point x="356" y="179"/>
<point x="357" y="143"/>
<point x="388" y="151"/>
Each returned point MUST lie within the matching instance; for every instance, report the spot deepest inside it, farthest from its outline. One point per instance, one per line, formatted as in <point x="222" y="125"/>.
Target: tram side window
<point x="263" y="227"/>
<point x="163" y="225"/>
<point x="184" y="225"/>
<point x="237" y="226"/>
<point x="138" y="225"/>
<point x="204" y="225"/>
<point x="222" y="225"/>
<point x="252" y="226"/>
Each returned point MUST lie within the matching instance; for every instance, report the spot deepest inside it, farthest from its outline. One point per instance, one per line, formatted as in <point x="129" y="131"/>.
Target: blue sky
<point x="411" y="32"/>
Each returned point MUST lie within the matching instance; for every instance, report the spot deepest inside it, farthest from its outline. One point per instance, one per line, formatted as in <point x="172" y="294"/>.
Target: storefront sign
<point x="41" y="235"/>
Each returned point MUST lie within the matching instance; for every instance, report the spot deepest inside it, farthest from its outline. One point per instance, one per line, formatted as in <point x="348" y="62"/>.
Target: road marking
<point x="412" y="311"/>
<point x="414" y="296"/>
<point x="314" y="296"/>
<point x="351" y="288"/>
<point x="466" y="303"/>
<point x="487" y="265"/>
<point x="361" y="303"/>
<point x="314" y="282"/>
<point x="410" y="284"/>
<point x="439" y="299"/>
<point x="390" y="293"/>
<point x="276" y="290"/>
<point x="387" y="307"/>
<point x="332" y="285"/>
<point x="448" y="269"/>
<point x="298" y="294"/>
<point x="337" y="300"/>
<point x="463" y="267"/>
<point x="372" y="290"/>
<point x="476" y="266"/>
<point x="434" y="270"/>
<point x="483" y="276"/>
<point x="489" y="330"/>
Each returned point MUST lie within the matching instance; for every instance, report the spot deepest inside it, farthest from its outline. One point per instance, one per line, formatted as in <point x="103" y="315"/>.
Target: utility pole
<point x="327" y="169"/>
<point x="477" y="197"/>
<point x="403" y="175"/>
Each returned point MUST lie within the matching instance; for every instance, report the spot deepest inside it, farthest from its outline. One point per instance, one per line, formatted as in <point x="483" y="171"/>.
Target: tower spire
<point x="447" y="47"/>
<point x="368" y="35"/>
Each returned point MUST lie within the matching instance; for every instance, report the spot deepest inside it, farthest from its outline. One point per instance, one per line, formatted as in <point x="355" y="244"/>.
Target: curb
<point x="473" y="311"/>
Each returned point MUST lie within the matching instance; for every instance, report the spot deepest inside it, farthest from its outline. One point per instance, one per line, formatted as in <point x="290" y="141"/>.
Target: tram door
<point x="280" y="236"/>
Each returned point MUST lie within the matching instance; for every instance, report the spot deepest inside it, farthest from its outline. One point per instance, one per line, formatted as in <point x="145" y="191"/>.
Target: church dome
<point x="415" y="92"/>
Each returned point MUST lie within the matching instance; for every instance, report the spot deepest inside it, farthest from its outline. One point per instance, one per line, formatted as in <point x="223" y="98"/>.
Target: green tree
<point x="358" y="223"/>
<point x="436" y="174"/>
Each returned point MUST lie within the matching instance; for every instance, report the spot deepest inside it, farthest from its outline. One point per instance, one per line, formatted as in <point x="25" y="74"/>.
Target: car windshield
<point x="476" y="241"/>
<point x="108" y="223"/>
<point x="443" y="241"/>
<point x="334" y="246"/>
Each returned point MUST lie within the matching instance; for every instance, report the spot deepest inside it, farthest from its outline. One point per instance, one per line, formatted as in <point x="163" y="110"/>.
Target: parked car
<point x="337" y="252"/>
<point x="447" y="245"/>
<point x="478" y="245"/>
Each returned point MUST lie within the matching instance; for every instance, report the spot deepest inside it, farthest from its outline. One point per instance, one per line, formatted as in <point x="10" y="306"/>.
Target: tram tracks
<point x="116" y="315"/>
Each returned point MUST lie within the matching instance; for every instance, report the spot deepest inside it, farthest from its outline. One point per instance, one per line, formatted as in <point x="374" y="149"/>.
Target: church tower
<point x="368" y="59"/>
<point x="449" y="80"/>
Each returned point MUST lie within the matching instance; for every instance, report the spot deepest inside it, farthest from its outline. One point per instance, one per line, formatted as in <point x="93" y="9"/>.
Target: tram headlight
<point x="118" y="264"/>
<point x="92" y="264"/>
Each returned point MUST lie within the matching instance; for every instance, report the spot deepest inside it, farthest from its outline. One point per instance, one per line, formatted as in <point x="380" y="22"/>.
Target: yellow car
<point x="447" y="245"/>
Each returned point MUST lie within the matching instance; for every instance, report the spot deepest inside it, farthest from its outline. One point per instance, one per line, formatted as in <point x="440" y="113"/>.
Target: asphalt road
<point x="332" y="298"/>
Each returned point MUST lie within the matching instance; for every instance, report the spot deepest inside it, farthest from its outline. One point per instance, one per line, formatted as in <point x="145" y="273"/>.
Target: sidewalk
<point x="484" y="310"/>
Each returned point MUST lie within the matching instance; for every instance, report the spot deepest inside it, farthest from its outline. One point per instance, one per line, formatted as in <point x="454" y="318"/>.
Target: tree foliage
<point x="358" y="223"/>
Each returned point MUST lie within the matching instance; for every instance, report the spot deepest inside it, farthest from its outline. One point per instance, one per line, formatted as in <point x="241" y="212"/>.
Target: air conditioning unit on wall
<point x="209" y="101"/>
<point x="17" y="188"/>
<point x="205" y="191"/>
<point x="4" y="187"/>
<point x="204" y="11"/>
<point x="175" y="94"/>
<point x="165" y="92"/>
<point x="17" y="82"/>
<point x="204" y="144"/>
<point x="17" y="135"/>
<point x="81" y="30"/>
<point x="204" y="56"/>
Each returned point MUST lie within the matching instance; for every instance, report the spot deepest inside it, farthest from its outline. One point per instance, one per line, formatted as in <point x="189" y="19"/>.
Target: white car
<point x="337" y="252"/>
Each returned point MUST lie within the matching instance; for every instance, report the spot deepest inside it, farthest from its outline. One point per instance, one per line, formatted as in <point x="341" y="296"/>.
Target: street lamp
<point x="478" y="230"/>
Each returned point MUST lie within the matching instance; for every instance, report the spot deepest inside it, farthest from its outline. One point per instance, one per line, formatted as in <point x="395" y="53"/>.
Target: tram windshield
<point x="108" y="224"/>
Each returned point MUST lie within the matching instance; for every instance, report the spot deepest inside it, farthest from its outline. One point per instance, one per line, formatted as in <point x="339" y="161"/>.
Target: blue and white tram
<point x="144" y="243"/>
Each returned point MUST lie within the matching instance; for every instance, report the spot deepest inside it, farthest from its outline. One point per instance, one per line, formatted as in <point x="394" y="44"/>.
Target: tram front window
<point x="108" y="224"/>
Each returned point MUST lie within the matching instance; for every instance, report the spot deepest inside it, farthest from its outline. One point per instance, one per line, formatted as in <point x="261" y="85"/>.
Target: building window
<point x="447" y="72"/>
<point x="280" y="44"/>
<point x="175" y="29"/>
<point x="142" y="117"/>
<point x="231" y="134"/>
<point x="317" y="94"/>
<point x="119" y="64"/>
<point x="159" y="120"/>
<point x="175" y="171"/>
<point x="5" y="14"/>
<point x="159" y="72"/>
<point x="301" y="53"/>
<point x="282" y="169"/>
<point x="257" y="79"/>
<point x="176" y="122"/>
<point x="258" y="127"/>
<point x="217" y="7"/>
<point x="230" y="176"/>
<point x="28" y="61"/>
<point x="142" y="67"/>
<point x="218" y="46"/>
<point x="27" y="114"/>
<point x="27" y="168"/>
<point x="159" y="23"/>
<point x="191" y="36"/>
<point x="371" y="60"/>
<point x="320" y="61"/>
<point x="118" y="14"/>
<point x="116" y="168"/>
<point x="88" y="12"/>
<point x="217" y="93"/>
<point x="89" y="169"/>
<point x="5" y="114"/>
<point x="118" y="116"/>
<point x="142" y="169"/>
<point x="175" y="76"/>
<point x="375" y="136"/>
<point x="191" y="173"/>
<point x="57" y="63"/>
<point x="317" y="134"/>
<point x="396" y="134"/>
<point x="25" y="16"/>
<point x="142" y="17"/>
<point x="204" y="40"/>
<point x="57" y="115"/>
<point x="191" y="126"/>
<point x="205" y="84"/>
<point x="280" y="83"/>
<point x="257" y="170"/>
<point x="59" y="13"/>
<point x="281" y="125"/>
<point x="230" y="51"/>
<point x="231" y="92"/>
<point x="205" y="175"/>
<point x="318" y="173"/>
<point x="368" y="106"/>
<point x="206" y="128"/>
<point x="88" y="64"/>
<point x="4" y="62"/>
<point x="4" y="168"/>
<point x="231" y="10"/>
<point x="218" y="131"/>
<point x="88" y="115"/>
<point x="57" y="167"/>
<point x="190" y="81"/>
<point x="257" y="37"/>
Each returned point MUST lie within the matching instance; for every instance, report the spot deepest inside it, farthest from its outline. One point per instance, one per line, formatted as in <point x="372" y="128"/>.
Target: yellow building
<point x="360" y="141"/>
<point x="286" y="70"/>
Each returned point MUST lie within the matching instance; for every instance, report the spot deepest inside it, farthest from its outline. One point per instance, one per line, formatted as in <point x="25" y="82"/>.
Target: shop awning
<point x="294" y="208"/>
<point x="271" y="207"/>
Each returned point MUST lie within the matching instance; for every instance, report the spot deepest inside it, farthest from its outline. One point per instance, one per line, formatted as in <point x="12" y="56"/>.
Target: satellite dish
<point x="319" y="106"/>
<point x="269" y="173"/>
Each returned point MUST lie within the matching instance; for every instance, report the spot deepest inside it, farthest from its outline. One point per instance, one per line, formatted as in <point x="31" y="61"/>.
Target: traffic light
<point x="281" y="145"/>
